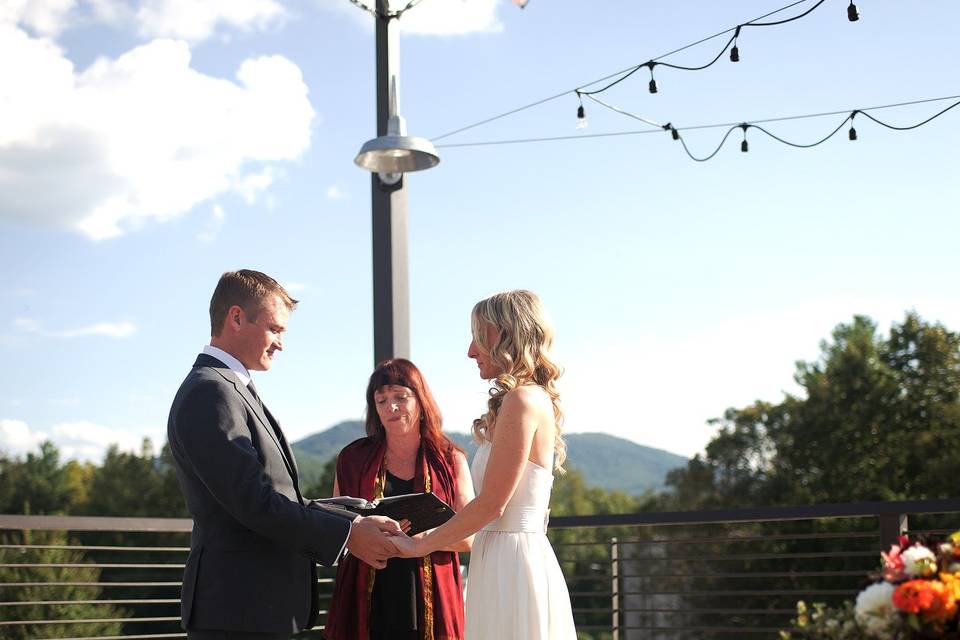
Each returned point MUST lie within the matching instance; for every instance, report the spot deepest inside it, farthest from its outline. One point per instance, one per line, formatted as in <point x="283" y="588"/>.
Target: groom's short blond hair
<point x="247" y="289"/>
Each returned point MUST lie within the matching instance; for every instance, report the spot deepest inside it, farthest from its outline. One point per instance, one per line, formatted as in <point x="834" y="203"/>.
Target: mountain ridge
<point x="606" y="461"/>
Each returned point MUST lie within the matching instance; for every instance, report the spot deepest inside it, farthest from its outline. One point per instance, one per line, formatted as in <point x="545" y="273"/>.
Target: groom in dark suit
<point x="251" y="573"/>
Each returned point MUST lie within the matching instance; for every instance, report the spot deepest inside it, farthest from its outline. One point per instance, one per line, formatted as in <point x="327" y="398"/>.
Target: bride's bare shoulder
<point x="528" y="397"/>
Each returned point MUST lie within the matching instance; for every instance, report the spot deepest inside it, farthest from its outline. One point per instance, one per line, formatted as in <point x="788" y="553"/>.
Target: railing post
<point x="892" y="526"/>
<point x="615" y="587"/>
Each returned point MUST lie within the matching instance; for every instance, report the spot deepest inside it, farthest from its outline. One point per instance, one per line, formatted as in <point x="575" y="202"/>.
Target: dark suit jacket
<point x="254" y="542"/>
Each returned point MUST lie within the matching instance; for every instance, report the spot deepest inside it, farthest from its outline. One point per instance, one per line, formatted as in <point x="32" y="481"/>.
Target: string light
<point x="653" y="83"/>
<point x="852" y="14"/>
<point x="744" y="147"/>
<point x="852" y="134"/>
<point x="581" y="115"/>
<point x="619" y="76"/>
<point x="735" y="51"/>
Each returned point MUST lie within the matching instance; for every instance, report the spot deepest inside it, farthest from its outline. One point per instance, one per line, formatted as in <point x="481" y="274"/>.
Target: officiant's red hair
<point x="402" y="372"/>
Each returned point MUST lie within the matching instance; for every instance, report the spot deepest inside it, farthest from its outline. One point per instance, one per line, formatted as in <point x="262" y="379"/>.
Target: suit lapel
<point x="258" y="410"/>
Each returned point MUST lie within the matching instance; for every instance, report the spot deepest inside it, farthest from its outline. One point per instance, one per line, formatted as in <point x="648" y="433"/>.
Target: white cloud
<point x="335" y="193"/>
<point x="80" y="440"/>
<point x="140" y="138"/>
<point x="433" y="17"/>
<point x="16" y="437"/>
<point x="122" y="329"/>
<point x="452" y="18"/>
<point x="85" y="440"/>
<point x="212" y="230"/>
<point x="252" y="184"/>
<point x="195" y="21"/>
<point x="44" y="17"/>
<point x="182" y="19"/>
<point x="27" y="325"/>
<point x="108" y="329"/>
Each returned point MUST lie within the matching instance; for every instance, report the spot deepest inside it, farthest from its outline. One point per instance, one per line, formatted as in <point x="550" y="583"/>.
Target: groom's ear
<point x="235" y="318"/>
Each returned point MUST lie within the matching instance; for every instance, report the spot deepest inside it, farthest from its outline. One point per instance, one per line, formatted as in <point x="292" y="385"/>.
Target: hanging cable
<point x="623" y="72"/>
<point x="744" y="146"/>
<point x="622" y="112"/>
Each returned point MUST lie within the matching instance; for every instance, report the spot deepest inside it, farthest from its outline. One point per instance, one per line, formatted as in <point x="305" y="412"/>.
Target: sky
<point x="147" y="146"/>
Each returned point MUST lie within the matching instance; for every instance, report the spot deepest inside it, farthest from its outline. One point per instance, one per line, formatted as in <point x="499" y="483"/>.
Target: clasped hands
<point x="374" y="539"/>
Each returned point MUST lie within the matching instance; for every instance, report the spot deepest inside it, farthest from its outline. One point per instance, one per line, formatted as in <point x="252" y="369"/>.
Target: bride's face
<point x="398" y="408"/>
<point x="488" y="370"/>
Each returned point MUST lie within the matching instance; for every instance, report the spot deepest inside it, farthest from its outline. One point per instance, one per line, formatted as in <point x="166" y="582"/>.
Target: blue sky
<point x="146" y="146"/>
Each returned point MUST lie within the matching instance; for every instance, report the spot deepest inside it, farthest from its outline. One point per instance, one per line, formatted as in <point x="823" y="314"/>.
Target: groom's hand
<point x="368" y="540"/>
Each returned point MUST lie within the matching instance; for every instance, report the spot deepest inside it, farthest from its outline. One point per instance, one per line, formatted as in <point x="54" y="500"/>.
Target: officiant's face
<point x="398" y="408"/>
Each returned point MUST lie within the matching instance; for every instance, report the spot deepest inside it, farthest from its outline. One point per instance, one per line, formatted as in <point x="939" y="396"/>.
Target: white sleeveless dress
<point x="515" y="588"/>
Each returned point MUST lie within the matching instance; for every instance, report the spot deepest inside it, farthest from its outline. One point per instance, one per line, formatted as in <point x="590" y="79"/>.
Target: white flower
<point x="874" y="610"/>
<point x="918" y="562"/>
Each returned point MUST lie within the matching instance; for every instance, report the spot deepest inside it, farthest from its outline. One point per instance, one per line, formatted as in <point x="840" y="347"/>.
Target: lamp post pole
<point x="391" y="288"/>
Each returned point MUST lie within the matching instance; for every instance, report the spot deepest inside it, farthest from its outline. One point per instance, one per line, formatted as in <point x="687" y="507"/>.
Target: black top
<point x="394" y="598"/>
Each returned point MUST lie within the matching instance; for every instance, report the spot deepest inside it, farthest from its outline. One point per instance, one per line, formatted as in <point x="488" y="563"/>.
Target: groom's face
<point x="260" y="339"/>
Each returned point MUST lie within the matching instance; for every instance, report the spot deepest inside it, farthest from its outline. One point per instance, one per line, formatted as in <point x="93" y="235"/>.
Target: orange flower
<point x="952" y="580"/>
<point x="944" y="605"/>
<point x="913" y="596"/>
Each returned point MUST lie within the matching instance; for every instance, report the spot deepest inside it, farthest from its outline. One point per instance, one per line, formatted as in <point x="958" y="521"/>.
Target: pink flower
<point x="893" y="564"/>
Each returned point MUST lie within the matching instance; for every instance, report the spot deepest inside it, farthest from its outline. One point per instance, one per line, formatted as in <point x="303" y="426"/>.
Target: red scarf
<point x="439" y="593"/>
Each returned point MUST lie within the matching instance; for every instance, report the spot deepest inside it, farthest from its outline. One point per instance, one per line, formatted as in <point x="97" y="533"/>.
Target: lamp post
<point x="391" y="154"/>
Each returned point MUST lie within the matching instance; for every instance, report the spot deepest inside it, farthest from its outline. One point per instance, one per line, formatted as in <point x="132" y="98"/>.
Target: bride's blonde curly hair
<point x="521" y="352"/>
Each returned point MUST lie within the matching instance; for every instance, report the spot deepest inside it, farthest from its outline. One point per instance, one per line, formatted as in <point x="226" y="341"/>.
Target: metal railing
<point x="727" y="573"/>
<point x="704" y="574"/>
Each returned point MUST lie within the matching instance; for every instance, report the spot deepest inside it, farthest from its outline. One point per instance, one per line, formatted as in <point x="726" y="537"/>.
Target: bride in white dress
<point x="515" y="588"/>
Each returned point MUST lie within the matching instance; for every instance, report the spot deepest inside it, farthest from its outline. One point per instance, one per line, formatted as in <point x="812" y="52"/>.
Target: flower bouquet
<point x="915" y="597"/>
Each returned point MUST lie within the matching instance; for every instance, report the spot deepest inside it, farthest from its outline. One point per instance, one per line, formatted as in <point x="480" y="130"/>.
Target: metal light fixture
<point x="396" y="153"/>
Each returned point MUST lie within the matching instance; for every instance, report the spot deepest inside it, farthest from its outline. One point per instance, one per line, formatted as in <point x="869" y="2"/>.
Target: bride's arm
<point x="516" y="425"/>
<point x="462" y="499"/>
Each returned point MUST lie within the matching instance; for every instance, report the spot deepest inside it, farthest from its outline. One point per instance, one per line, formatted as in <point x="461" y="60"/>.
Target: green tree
<point x="37" y="484"/>
<point x="585" y="554"/>
<point x="131" y="485"/>
<point x="878" y="420"/>
<point x="323" y="486"/>
<point x="73" y="595"/>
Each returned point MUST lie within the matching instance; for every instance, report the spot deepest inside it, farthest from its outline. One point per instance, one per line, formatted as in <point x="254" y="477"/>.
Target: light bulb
<point x="581" y="118"/>
<point x="653" y="85"/>
<point x="735" y="54"/>
<point x="852" y="14"/>
<point x="853" y="134"/>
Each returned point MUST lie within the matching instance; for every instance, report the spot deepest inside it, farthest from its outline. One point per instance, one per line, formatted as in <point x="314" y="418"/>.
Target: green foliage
<point x="132" y="485"/>
<point x="823" y="623"/>
<point x="878" y="421"/>
<point x="584" y="554"/>
<point x="322" y="487"/>
<point x="38" y="484"/>
<point x="72" y="595"/>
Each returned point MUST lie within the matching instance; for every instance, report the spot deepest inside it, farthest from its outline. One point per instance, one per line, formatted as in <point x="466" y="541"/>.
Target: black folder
<point x="423" y="510"/>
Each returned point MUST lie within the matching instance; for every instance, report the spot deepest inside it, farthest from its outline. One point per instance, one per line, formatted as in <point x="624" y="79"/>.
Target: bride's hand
<point x="406" y="547"/>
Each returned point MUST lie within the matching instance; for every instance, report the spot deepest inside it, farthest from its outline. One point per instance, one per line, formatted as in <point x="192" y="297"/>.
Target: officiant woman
<point x="405" y="451"/>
